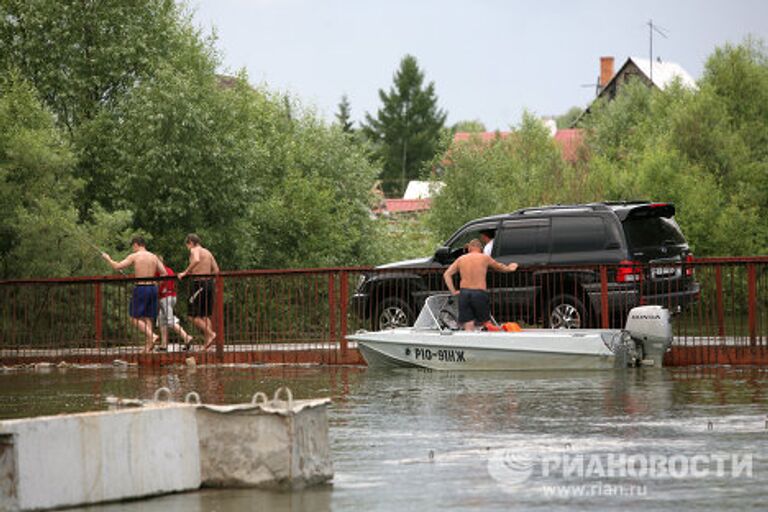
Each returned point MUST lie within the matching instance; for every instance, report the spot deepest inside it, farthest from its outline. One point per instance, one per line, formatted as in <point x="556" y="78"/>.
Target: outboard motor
<point x="651" y="329"/>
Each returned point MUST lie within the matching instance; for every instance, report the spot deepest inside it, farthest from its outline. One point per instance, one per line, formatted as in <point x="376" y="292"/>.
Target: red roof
<point x="405" y="205"/>
<point x="570" y="139"/>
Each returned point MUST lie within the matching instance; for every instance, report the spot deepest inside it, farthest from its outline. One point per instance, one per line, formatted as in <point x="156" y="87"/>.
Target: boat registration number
<point x="445" y="355"/>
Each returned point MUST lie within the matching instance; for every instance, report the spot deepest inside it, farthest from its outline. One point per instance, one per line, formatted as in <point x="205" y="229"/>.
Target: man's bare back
<point x="145" y="264"/>
<point x="201" y="262"/>
<point x="473" y="267"/>
<point x="474" y="304"/>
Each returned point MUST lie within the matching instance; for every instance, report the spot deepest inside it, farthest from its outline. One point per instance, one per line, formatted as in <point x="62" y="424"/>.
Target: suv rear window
<point x="578" y="234"/>
<point x="652" y="232"/>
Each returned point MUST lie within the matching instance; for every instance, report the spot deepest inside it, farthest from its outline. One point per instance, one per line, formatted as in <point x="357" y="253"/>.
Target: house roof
<point x="664" y="73"/>
<point x="404" y="205"/>
<point x="407" y="205"/>
<point x="422" y="189"/>
<point x="569" y="141"/>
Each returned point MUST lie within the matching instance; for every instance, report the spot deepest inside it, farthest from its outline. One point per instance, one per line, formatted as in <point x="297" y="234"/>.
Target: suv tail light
<point x="629" y="272"/>
<point x="689" y="265"/>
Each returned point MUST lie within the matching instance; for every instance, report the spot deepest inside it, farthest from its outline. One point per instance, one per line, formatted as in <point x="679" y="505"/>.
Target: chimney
<point x="606" y="71"/>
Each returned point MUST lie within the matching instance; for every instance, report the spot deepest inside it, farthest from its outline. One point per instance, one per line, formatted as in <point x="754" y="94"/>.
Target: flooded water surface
<point x="643" y="439"/>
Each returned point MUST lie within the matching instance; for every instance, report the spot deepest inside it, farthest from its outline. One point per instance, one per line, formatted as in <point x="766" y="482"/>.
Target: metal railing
<point x="303" y="315"/>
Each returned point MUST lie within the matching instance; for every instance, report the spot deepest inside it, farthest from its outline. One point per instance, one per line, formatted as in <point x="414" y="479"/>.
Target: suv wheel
<point x="393" y="312"/>
<point x="566" y="312"/>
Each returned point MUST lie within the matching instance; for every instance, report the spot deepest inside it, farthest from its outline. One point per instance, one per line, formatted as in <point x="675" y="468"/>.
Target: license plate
<point x="664" y="271"/>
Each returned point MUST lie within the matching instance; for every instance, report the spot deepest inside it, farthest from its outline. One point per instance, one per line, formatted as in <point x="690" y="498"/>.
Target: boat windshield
<point x="440" y="312"/>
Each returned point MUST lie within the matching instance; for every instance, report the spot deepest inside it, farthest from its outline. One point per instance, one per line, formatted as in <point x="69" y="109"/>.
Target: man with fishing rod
<point x="144" y="298"/>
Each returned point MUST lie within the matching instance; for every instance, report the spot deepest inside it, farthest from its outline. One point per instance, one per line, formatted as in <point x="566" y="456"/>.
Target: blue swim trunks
<point x="143" y="301"/>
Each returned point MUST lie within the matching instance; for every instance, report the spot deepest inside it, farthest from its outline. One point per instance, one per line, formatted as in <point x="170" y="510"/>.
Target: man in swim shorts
<point x="143" y="305"/>
<point x="474" y="302"/>
<point x="202" y="265"/>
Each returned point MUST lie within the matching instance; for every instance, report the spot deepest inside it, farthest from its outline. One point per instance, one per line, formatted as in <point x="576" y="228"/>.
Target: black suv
<point x="561" y="250"/>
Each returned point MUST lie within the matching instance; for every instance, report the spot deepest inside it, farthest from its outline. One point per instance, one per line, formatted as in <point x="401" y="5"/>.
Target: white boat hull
<point x="542" y="349"/>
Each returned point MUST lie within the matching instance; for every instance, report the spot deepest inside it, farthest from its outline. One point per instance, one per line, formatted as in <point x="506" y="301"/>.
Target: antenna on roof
<point x="596" y="85"/>
<point x="659" y="30"/>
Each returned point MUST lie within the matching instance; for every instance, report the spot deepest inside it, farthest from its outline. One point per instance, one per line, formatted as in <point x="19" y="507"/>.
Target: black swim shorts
<point x="201" y="298"/>
<point x="474" y="305"/>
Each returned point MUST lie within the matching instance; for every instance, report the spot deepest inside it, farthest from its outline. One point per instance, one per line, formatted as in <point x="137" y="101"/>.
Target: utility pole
<point x="651" y="29"/>
<point x="406" y="113"/>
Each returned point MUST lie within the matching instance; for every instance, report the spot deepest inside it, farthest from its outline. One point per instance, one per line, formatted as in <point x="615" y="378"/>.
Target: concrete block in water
<point x="67" y="460"/>
<point x="271" y="444"/>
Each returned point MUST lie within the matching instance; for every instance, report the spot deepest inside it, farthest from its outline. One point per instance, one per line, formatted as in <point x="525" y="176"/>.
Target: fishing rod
<point x="87" y="240"/>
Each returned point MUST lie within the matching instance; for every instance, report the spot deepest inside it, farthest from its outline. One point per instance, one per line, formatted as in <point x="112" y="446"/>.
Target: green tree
<point x="473" y="126"/>
<point x="488" y="177"/>
<point x="407" y="128"/>
<point x="316" y="213"/>
<point x="703" y="149"/>
<point x="83" y="58"/>
<point x="39" y="232"/>
<point x="161" y="146"/>
<point x="343" y="115"/>
<point x="179" y="157"/>
<point x="568" y="119"/>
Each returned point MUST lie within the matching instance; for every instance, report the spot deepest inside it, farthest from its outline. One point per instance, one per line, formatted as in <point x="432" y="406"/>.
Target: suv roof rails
<point x="626" y="203"/>
<point x="560" y="207"/>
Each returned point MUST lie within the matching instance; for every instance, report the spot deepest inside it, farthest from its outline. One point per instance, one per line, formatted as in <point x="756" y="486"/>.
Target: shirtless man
<point x="474" y="303"/>
<point x="143" y="306"/>
<point x="201" y="262"/>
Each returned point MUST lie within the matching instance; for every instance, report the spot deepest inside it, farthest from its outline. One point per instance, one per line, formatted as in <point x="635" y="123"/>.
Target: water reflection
<point x="25" y="393"/>
<point x="419" y="440"/>
<point x="317" y="499"/>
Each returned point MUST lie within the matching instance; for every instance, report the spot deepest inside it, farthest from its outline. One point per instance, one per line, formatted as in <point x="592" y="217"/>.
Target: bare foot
<point x="209" y="340"/>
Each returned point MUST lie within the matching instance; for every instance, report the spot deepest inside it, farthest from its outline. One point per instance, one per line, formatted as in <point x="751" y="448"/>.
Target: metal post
<point x="97" y="313"/>
<point x="604" y="297"/>
<point x="219" y="318"/>
<point x="343" y="301"/>
<point x="719" y="301"/>
<point x="332" y="306"/>
<point x="752" y="302"/>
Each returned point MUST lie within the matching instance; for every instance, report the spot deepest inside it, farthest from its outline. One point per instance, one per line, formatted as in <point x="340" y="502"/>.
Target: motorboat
<point x="435" y="342"/>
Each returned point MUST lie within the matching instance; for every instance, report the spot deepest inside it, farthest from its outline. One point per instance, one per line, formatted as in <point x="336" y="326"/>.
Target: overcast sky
<point x="489" y="59"/>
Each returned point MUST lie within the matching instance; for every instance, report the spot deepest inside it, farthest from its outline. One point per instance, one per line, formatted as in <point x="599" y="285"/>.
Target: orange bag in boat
<point x="511" y="327"/>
